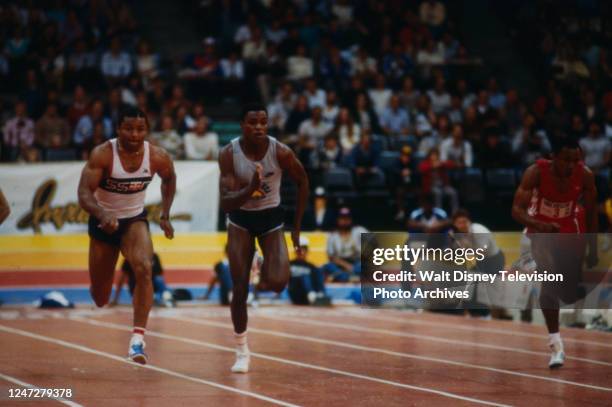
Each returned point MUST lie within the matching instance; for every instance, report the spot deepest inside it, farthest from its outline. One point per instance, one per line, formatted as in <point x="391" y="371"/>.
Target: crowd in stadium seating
<point x="384" y="89"/>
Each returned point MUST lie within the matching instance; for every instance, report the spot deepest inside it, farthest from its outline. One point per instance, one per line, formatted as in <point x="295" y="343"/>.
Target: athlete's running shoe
<point x="557" y="356"/>
<point x="136" y="353"/>
<point x="242" y="363"/>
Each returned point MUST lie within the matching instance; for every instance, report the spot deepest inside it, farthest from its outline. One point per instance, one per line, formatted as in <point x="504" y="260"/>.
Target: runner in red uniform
<point x="548" y="202"/>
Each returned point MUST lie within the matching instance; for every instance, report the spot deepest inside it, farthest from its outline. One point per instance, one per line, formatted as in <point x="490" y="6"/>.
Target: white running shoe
<point x="242" y="363"/>
<point x="557" y="356"/>
<point x="136" y="352"/>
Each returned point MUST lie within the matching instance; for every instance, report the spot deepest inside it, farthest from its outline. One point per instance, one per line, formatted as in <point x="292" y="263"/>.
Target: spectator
<point x="278" y="110"/>
<point x="201" y="144"/>
<point x="397" y="64"/>
<point x="408" y="95"/>
<point x="364" y="158"/>
<point x="330" y="110"/>
<point x="204" y="65"/>
<point x="427" y="218"/>
<point x="275" y="33"/>
<point x="455" y="112"/>
<point x="334" y="69"/>
<point x="85" y="126"/>
<point x="596" y="148"/>
<point x="435" y="137"/>
<point x="96" y="139"/>
<point x="403" y="177"/>
<point x="344" y="249"/>
<point x="161" y="294"/>
<point x="430" y="55"/>
<point x="311" y="134"/>
<point x="299" y="66"/>
<point x="380" y="96"/>
<point x="79" y="106"/>
<point x="495" y="151"/>
<point x="435" y="179"/>
<point x="232" y="67"/>
<point x="306" y="284"/>
<point x="394" y="119"/>
<point x="147" y="62"/>
<point x="468" y="234"/>
<point x="432" y="13"/>
<point x="440" y="99"/>
<point x="168" y="138"/>
<point x="347" y="130"/>
<point x="116" y="64"/>
<point x="52" y="131"/>
<point x="365" y="116"/>
<point x="528" y="144"/>
<point x="224" y="278"/>
<point x="244" y="32"/>
<point x="82" y="67"/>
<point x="114" y="106"/>
<point x="33" y="94"/>
<point x="316" y="96"/>
<point x="363" y="65"/>
<point x="497" y="99"/>
<point x="297" y="115"/>
<point x="424" y="119"/>
<point x="327" y="156"/>
<point x="18" y="134"/>
<point x="456" y="150"/>
<point x="254" y="49"/>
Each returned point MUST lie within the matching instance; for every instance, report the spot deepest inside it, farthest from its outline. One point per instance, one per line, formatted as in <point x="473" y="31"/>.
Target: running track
<point x="301" y="356"/>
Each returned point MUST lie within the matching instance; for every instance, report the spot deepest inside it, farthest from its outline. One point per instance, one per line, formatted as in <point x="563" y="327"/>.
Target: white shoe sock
<point x="243" y="358"/>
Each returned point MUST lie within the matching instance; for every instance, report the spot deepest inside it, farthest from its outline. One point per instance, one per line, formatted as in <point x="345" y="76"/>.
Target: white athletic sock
<point x="241" y="342"/>
<point x="138" y="334"/>
<point x="555" y="339"/>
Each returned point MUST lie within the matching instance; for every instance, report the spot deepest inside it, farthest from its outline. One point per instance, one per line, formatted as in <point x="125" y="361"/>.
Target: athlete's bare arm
<point x="289" y="162"/>
<point x="99" y="161"/>
<point x="5" y="209"/>
<point x="233" y="196"/>
<point x="164" y="167"/>
<point x="522" y="200"/>
<point x="589" y="197"/>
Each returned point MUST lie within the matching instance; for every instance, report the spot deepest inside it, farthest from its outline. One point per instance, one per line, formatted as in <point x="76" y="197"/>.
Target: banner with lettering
<point x="43" y="198"/>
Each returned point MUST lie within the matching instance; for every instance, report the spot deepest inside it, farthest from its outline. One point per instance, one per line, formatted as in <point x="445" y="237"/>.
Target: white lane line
<point x="470" y="328"/>
<point x="348" y="345"/>
<point x="289" y="361"/>
<point x="150" y="367"/>
<point x="352" y="327"/>
<point x="31" y="386"/>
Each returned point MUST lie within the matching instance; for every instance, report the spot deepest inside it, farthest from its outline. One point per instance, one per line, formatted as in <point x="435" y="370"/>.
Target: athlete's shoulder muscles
<point x="161" y="162"/>
<point x="290" y="163"/>
<point x="530" y="180"/>
<point x="99" y="163"/>
<point x="226" y="166"/>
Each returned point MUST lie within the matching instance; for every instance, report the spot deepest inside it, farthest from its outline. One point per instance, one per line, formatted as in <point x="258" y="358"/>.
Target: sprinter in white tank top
<point x="112" y="190"/>
<point x="251" y="169"/>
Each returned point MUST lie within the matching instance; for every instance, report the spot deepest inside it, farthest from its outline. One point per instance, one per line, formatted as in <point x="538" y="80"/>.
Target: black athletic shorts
<point x="260" y="222"/>
<point x="96" y="232"/>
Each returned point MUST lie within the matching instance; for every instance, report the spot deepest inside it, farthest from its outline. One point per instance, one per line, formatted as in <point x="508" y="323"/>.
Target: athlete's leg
<point x="137" y="248"/>
<point x="102" y="261"/>
<point x="275" y="269"/>
<point x="543" y="252"/>
<point x="241" y="247"/>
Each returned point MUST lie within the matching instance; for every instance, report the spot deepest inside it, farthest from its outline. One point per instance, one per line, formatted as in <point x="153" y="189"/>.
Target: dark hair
<point x="131" y="112"/>
<point x="559" y="143"/>
<point x="252" y="107"/>
<point x="461" y="213"/>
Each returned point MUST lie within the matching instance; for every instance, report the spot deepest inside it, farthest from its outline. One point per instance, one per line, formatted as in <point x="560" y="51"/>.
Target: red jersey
<point x="551" y="205"/>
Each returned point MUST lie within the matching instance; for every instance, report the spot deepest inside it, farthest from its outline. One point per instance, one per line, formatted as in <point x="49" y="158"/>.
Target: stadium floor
<point x="301" y="356"/>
